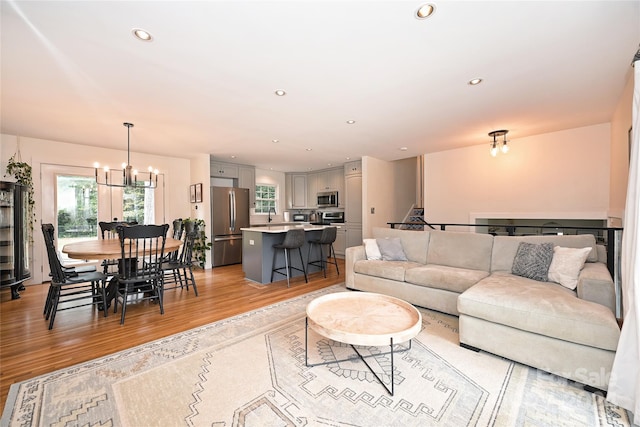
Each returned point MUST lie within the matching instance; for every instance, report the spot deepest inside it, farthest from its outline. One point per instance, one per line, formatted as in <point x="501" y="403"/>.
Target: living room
<point x="552" y="171"/>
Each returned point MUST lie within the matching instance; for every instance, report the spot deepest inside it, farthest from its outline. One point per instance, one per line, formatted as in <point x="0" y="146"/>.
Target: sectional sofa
<point x="502" y="289"/>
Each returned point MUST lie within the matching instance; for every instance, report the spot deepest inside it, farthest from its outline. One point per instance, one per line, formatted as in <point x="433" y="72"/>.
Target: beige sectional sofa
<point x="571" y="333"/>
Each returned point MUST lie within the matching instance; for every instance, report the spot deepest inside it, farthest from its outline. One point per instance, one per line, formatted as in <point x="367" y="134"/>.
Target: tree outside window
<point x="266" y="198"/>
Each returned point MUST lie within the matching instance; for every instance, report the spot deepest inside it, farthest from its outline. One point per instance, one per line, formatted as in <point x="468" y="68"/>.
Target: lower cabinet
<point x="340" y="244"/>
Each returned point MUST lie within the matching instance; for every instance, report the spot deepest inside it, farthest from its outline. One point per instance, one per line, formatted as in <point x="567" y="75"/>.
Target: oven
<point x="327" y="199"/>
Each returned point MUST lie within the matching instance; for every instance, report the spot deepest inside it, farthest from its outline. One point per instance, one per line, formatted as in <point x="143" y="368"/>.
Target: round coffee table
<point x="363" y="319"/>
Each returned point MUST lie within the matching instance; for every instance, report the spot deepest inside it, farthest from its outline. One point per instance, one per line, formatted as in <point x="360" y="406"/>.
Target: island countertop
<point x="285" y="228"/>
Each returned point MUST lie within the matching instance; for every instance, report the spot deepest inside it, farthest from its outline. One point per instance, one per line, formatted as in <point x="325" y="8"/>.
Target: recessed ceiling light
<point x="280" y="92"/>
<point x="351" y="121"/>
<point x="347" y="158"/>
<point x="474" y="82"/>
<point x="233" y="157"/>
<point x="425" y="11"/>
<point x="143" y="35"/>
<point x="403" y="148"/>
<point x="309" y="149"/>
<point x="275" y="141"/>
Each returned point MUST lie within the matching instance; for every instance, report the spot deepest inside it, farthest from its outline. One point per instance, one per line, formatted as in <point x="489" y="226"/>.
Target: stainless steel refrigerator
<point x="229" y="213"/>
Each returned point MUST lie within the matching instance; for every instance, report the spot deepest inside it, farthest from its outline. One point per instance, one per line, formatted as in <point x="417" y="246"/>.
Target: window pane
<point x="138" y="205"/>
<point x="265" y="198"/>
<point x="77" y="206"/>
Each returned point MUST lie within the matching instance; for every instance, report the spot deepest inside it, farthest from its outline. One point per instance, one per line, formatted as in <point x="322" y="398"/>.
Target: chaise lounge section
<point x="572" y="333"/>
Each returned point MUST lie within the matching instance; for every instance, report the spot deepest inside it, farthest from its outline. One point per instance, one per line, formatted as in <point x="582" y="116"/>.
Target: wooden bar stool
<point x="327" y="237"/>
<point x="293" y="239"/>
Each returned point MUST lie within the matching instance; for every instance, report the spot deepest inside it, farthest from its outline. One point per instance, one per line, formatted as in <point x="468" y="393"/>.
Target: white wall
<point x="276" y="178"/>
<point x="620" y="125"/>
<point x="38" y="152"/>
<point x="556" y="175"/>
<point x="389" y="187"/>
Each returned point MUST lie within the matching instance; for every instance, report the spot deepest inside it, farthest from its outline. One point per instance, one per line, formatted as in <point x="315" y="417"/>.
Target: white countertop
<point x="285" y="228"/>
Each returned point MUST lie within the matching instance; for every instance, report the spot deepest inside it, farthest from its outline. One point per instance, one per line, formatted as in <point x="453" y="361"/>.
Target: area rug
<point x="250" y="370"/>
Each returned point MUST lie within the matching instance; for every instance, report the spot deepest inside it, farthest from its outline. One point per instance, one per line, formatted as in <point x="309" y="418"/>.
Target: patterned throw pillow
<point x="533" y="260"/>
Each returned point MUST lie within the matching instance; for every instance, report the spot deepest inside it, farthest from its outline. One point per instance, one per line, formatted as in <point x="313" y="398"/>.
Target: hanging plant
<point x="22" y="173"/>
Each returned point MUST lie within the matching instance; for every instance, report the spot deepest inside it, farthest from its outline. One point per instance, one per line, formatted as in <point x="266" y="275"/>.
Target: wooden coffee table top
<point x="364" y="318"/>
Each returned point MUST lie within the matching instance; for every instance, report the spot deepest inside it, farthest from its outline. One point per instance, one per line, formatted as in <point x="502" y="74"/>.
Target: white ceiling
<point x="72" y="71"/>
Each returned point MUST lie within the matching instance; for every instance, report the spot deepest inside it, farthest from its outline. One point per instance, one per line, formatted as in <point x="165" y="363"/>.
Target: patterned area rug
<point x="250" y="370"/>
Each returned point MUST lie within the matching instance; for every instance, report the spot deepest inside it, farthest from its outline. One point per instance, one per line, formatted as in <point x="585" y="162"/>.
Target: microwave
<point x="327" y="199"/>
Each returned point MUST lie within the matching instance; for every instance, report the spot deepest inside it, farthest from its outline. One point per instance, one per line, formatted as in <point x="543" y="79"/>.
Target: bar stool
<point x="327" y="237"/>
<point x="293" y="239"/>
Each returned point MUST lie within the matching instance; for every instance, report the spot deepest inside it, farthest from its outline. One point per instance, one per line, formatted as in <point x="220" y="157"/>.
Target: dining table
<point x="98" y="249"/>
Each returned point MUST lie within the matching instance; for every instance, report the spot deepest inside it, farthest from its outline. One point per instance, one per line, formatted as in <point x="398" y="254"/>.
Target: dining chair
<point x="108" y="231"/>
<point x="179" y="271"/>
<point x="69" y="288"/>
<point x="140" y="275"/>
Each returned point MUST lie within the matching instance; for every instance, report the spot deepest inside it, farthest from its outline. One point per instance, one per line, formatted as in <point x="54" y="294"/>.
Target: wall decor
<point x="192" y="193"/>
<point x="199" y="193"/>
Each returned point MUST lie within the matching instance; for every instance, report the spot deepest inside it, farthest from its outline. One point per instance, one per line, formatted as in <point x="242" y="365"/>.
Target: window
<point x="266" y="198"/>
<point x="77" y="207"/>
<point x="137" y="205"/>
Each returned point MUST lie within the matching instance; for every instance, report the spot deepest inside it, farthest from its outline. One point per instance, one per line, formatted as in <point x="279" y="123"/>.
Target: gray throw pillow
<point x="391" y="249"/>
<point x="533" y="261"/>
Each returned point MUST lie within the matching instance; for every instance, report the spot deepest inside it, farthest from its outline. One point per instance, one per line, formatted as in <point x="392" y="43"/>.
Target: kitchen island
<point x="257" y="250"/>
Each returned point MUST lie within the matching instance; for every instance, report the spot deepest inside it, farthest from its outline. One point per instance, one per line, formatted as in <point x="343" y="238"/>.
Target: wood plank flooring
<point x="28" y="348"/>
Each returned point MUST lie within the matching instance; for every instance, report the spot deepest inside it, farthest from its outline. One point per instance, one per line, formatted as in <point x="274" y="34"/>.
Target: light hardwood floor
<point x="28" y="348"/>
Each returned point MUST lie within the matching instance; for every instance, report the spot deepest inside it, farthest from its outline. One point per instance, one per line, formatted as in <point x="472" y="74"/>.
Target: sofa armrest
<point x="351" y="255"/>
<point x="596" y="285"/>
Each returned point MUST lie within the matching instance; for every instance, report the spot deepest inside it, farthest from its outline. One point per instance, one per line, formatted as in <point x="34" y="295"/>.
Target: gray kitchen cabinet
<point x="224" y="170"/>
<point x="353" y="207"/>
<point x="296" y="190"/>
<point x="247" y="179"/>
<point x="340" y="244"/>
<point x="312" y="189"/>
<point x="353" y="168"/>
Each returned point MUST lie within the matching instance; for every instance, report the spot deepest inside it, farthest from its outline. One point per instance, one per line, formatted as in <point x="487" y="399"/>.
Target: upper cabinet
<point x="224" y="170"/>
<point x="353" y="168"/>
<point x="247" y="179"/>
<point x="296" y="190"/>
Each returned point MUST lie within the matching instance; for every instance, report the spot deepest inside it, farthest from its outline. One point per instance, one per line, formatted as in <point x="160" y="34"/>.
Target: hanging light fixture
<point x="496" y="145"/>
<point x="129" y="175"/>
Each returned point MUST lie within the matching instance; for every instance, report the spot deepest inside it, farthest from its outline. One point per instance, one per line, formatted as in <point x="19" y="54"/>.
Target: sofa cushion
<point x="533" y="260"/>
<point x="566" y="265"/>
<point x="391" y="249"/>
<point x="414" y="243"/>
<point x="460" y="249"/>
<point x="443" y="277"/>
<point x="542" y="308"/>
<point x="505" y="247"/>
<point x="392" y="270"/>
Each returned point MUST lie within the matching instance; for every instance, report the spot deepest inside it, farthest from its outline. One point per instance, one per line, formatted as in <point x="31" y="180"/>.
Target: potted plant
<point x="200" y="245"/>
<point x="22" y="172"/>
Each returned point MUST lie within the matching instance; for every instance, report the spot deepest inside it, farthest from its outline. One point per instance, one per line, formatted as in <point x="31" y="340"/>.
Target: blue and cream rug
<point x="249" y="370"/>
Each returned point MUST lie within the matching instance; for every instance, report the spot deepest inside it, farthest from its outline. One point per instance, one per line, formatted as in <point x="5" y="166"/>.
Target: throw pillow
<point x="371" y="249"/>
<point x="533" y="260"/>
<point x="566" y="265"/>
<point x="391" y="249"/>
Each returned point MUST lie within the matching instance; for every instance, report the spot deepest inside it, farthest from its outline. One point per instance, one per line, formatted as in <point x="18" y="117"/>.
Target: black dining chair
<point x="69" y="287"/>
<point x="293" y="239"/>
<point x="140" y="265"/>
<point x="108" y="231"/>
<point x="327" y="238"/>
<point x="179" y="270"/>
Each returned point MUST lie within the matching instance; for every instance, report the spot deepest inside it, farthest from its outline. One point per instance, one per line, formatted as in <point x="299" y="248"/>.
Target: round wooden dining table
<point x="106" y="248"/>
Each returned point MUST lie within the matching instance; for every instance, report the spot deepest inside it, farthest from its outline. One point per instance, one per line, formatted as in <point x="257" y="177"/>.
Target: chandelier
<point x="497" y="145"/>
<point x="129" y="175"/>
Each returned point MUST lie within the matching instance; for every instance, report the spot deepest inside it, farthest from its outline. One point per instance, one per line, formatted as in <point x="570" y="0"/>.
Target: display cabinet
<point x="14" y="238"/>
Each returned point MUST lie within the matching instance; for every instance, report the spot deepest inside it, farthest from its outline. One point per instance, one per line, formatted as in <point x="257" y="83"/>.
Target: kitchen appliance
<point x="327" y="199"/>
<point x="229" y="213"/>
<point x="300" y="217"/>
<point x="328" y="217"/>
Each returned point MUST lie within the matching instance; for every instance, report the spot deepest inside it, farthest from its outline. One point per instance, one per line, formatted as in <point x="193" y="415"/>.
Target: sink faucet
<point x="269" y="213"/>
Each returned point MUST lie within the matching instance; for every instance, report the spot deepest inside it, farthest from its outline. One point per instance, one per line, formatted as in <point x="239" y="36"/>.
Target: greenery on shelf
<point x="200" y="245"/>
<point x="22" y="172"/>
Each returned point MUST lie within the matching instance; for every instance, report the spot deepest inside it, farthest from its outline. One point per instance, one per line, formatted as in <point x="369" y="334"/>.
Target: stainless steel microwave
<point x="327" y="199"/>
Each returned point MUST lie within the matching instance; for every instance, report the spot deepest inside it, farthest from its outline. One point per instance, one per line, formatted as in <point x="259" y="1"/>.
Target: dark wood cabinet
<point x="14" y="237"/>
